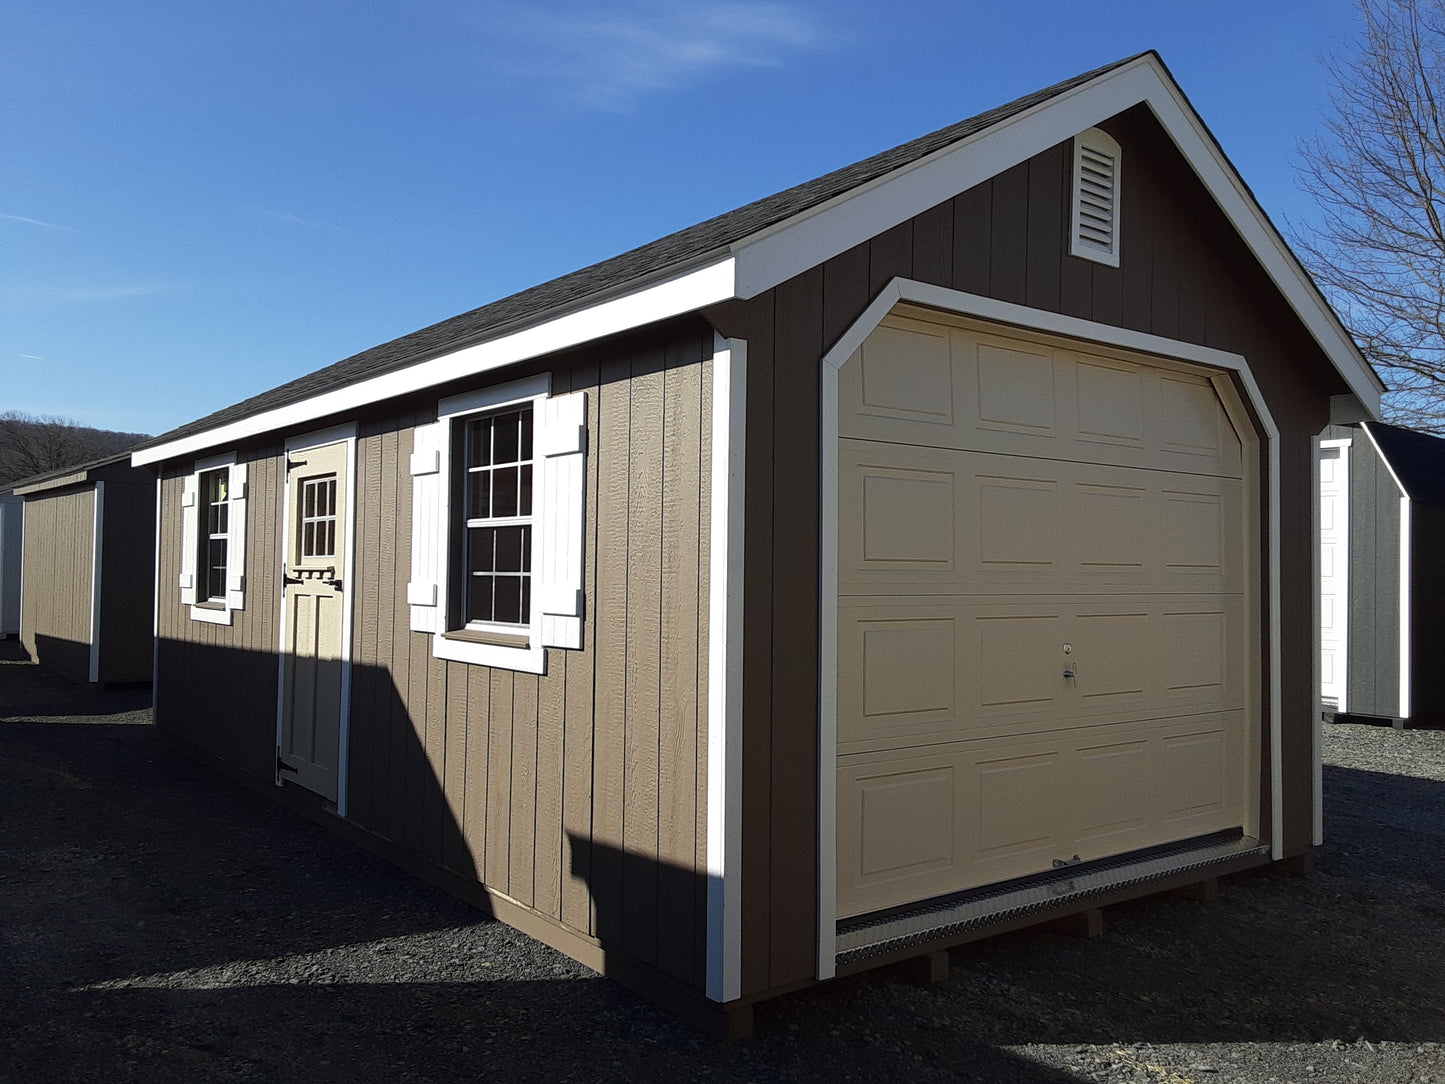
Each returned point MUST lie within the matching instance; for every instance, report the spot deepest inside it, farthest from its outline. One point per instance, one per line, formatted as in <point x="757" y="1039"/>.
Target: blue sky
<point x="200" y="201"/>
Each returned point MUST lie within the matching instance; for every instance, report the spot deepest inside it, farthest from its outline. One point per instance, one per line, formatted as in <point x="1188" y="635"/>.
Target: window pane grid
<point x="215" y="511"/>
<point x="497" y="540"/>
<point x="318" y="517"/>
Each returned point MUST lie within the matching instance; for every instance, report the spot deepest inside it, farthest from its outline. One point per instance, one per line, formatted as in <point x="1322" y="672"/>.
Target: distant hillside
<point x="37" y="445"/>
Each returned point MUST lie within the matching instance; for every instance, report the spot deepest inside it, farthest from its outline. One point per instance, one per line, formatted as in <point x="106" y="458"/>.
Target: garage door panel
<point x="905" y="373"/>
<point x="914" y="824"/>
<point x="929" y="521"/>
<point x="1014" y="390"/>
<point x="931" y="386"/>
<point x="919" y="672"/>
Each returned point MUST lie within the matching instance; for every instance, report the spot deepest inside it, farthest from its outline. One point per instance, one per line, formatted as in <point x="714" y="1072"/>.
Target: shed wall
<point x="12" y="515"/>
<point x="216" y="684"/>
<point x="1374" y="595"/>
<point x="1427" y="612"/>
<point x="1183" y="275"/>
<point x="580" y="794"/>
<point x="58" y="569"/>
<point x="127" y="582"/>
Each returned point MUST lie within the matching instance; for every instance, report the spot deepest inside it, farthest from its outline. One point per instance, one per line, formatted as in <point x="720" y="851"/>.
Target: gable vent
<point x="1094" y="232"/>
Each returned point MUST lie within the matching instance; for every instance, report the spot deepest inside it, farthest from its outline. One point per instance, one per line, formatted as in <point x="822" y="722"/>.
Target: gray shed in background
<point x="88" y="568"/>
<point x="1382" y="588"/>
<point x="12" y="514"/>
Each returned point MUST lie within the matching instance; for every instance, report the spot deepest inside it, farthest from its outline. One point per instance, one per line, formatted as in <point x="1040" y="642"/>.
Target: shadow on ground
<point x="158" y="922"/>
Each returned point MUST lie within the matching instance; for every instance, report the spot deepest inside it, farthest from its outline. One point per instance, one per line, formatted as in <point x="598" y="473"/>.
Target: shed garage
<point x="914" y="554"/>
<point x="88" y="563"/>
<point x="1382" y="528"/>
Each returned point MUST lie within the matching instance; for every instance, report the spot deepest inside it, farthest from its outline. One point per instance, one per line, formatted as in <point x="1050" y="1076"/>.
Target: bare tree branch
<point x="32" y="444"/>
<point x="1378" y="176"/>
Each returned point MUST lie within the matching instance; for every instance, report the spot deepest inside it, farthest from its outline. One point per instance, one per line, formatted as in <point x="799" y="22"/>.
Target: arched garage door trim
<point x="901" y="291"/>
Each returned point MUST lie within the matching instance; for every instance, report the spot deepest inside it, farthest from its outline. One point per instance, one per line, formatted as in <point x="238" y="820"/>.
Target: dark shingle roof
<point x="78" y="472"/>
<point x="675" y="252"/>
<point x="1418" y="460"/>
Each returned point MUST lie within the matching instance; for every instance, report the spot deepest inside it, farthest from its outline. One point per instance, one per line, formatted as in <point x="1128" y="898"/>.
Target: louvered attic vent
<point x="1094" y="230"/>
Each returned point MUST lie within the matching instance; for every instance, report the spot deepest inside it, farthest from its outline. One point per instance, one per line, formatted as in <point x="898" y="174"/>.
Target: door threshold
<point x="886" y="932"/>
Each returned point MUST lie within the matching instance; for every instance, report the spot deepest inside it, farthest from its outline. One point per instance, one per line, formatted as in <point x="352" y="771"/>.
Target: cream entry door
<point x="317" y="506"/>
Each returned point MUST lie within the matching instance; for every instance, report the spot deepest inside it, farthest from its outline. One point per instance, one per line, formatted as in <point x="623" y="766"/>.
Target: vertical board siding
<point x="1183" y="274"/>
<point x="57" y="579"/>
<point x="127" y="582"/>
<point x="578" y="793"/>
<point x="217" y="684"/>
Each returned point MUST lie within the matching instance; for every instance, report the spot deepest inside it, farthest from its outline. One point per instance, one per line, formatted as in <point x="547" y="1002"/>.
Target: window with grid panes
<point x="318" y="517"/>
<point x="214" y="534"/>
<point x="497" y="547"/>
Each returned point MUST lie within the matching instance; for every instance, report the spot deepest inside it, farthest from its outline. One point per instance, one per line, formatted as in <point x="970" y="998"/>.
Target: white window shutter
<point x="236" y="541"/>
<point x="187" y="580"/>
<point x="563" y="448"/>
<point x="423" y="593"/>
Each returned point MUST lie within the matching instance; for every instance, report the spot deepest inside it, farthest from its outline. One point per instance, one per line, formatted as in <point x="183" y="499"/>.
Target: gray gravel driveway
<point x="160" y="923"/>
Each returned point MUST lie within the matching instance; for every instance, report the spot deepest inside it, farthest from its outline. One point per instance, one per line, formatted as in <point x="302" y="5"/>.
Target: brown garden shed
<point x="88" y="571"/>
<point x="917" y="553"/>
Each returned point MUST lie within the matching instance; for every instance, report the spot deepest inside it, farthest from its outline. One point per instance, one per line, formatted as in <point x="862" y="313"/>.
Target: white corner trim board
<point x="906" y="290"/>
<point x="97" y="545"/>
<point x="725" y="673"/>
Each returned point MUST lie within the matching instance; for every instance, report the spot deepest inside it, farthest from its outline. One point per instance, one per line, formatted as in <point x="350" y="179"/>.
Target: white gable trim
<point x="777" y="254"/>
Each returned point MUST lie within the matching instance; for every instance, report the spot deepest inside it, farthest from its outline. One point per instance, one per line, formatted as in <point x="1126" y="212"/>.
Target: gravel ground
<point x="159" y="923"/>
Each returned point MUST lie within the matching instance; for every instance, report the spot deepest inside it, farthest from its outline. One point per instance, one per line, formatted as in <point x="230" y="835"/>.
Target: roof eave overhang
<point x="682" y="292"/>
<point x="773" y="255"/>
<point x="74" y="478"/>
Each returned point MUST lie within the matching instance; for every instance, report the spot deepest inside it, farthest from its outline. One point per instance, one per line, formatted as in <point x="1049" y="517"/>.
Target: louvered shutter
<point x="563" y="448"/>
<point x="190" y="486"/>
<point x="1095" y="219"/>
<point x="424" y="591"/>
<point x="236" y="540"/>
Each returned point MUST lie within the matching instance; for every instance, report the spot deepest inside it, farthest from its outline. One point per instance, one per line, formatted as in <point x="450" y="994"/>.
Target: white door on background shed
<point x="1045" y="627"/>
<point x="1334" y="571"/>
<point x="313" y="619"/>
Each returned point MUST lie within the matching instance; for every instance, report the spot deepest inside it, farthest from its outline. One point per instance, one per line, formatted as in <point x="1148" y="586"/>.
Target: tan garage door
<point x="1044" y="635"/>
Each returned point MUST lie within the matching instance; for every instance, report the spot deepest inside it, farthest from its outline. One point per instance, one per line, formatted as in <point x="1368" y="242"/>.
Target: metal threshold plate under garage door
<point x="1048" y="641"/>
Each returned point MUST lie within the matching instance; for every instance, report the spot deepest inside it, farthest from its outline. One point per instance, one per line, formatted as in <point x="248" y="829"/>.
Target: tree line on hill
<point x="33" y="444"/>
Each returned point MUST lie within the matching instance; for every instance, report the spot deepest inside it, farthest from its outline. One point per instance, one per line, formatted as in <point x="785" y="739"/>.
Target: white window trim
<point x="210" y="612"/>
<point x="532" y="658"/>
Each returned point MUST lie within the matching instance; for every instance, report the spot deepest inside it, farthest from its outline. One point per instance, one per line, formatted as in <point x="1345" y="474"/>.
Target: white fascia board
<point x="683" y="293"/>
<point x="1380" y="454"/>
<point x="774" y="255"/>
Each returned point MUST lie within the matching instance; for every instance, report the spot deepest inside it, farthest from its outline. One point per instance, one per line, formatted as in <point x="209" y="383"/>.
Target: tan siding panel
<point x="612" y="454"/>
<point x="679" y="869"/>
<point x="577" y="783"/>
<point x="499" y="782"/>
<point x="644" y="567"/>
<point x="454" y="847"/>
<point x="522" y="860"/>
<point x="57" y="581"/>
